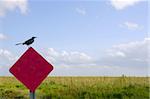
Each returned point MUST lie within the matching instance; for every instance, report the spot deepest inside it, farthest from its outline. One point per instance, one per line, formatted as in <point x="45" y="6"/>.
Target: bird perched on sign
<point x="28" y="42"/>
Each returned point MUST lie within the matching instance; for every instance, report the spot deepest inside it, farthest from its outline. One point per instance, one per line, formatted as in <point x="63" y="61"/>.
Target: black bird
<point x="28" y="42"/>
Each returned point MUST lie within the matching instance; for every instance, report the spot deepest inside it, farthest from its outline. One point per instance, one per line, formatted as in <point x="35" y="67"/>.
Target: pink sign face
<point x="31" y="69"/>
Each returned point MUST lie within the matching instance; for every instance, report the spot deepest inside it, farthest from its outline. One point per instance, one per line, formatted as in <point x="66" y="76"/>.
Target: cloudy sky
<point x="78" y="37"/>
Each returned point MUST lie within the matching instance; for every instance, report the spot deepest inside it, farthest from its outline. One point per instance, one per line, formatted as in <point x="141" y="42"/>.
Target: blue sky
<point x="78" y="37"/>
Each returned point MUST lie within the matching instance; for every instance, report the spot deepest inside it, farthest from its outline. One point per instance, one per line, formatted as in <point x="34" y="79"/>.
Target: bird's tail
<point x="18" y="43"/>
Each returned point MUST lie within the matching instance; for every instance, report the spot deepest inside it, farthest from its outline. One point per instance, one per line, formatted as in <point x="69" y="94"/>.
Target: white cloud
<point x="2" y="36"/>
<point x="116" y="53"/>
<point x="131" y="25"/>
<point x="81" y="11"/>
<point x="134" y="54"/>
<point x="67" y="58"/>
<point x="11" y="5"/>
<point x="6" y="56"/>
<point x="7" y="59"/>
<point x="128" y="58"/>
<point x="122" y="4"/>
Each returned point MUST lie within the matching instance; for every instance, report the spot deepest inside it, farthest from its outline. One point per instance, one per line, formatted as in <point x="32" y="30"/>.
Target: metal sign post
<point x="32" y="95"/>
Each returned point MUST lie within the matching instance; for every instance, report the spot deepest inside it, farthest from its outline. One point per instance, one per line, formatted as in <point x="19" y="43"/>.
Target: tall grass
<point x="79" y="88"/>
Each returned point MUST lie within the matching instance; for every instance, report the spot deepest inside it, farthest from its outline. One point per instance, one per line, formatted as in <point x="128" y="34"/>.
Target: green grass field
<point x="79" y="88"/>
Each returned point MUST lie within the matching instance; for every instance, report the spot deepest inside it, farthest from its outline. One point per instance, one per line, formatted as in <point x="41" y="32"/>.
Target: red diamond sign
<point x="31" y="69"/>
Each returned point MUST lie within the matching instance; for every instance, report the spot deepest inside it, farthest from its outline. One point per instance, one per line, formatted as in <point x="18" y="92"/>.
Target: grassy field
<point x="79" y="88"/>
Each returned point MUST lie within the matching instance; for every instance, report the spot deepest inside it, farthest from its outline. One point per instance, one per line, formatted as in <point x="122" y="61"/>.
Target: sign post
<point x="31" y="69"/>
<point x="32" y="95"/>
